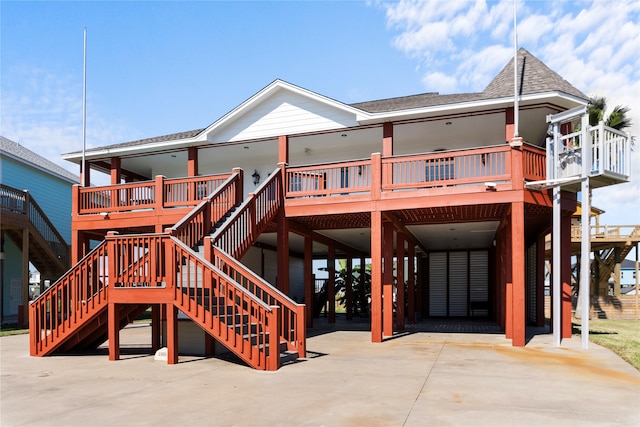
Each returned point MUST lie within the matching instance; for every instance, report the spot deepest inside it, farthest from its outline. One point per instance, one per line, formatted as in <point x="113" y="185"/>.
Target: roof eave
<point x="413" y="113"/>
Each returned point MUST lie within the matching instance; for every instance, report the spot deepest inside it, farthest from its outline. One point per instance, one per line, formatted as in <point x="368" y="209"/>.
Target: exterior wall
<point x="52" y="194"/>
<point x="254" y="260"/>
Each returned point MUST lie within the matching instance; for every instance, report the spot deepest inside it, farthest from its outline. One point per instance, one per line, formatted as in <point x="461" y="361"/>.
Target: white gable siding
<point x="285" y="113"/>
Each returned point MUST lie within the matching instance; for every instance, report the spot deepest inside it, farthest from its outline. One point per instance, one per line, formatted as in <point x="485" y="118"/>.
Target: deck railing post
<point x="301" y="332"/>
<point x="159" y="192"/>
<point x="273" y="363"/>
<point x="376" y="176"/>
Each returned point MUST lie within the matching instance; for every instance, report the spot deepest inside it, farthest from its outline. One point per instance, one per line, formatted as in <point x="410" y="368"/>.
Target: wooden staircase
<point x="48" y="251"/>
<point x="184" y="269"/>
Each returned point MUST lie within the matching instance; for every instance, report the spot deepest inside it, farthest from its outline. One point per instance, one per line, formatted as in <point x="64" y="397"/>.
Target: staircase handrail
<point x="258" y="210"/>
<point x="230" y="328"/>
<point x="199" y="221"/>
<point x="40" y="221"/>
<point x="292" y="313"/>
<point x="70" y="298"/>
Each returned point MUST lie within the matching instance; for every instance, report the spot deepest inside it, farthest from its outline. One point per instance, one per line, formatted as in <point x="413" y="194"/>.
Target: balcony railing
<point x="420" y="171"/>
<point x="161" y="193"/>
<point x="609" y="154"/>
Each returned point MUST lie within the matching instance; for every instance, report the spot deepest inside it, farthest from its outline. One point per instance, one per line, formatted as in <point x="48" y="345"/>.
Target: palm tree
<point x="617" y="119"/>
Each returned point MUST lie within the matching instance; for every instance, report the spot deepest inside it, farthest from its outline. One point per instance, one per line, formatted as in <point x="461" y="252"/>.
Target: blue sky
<point x="161" y="67"/>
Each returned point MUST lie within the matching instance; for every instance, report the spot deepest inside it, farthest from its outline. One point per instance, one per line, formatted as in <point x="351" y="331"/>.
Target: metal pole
<point x="585" y="243"/>
<point x="84" y="111"/>
<point x="516" y="132"/>
<point x="555" y="266"/>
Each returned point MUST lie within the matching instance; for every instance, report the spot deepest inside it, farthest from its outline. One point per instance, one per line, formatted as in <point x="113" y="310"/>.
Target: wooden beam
<point x="376" y="276"/>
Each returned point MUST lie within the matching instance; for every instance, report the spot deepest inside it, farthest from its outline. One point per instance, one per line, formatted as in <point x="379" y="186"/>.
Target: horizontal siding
<point x="52" y="194"/>
<point x="285" y="113"/>
<point x="438" y="284"/>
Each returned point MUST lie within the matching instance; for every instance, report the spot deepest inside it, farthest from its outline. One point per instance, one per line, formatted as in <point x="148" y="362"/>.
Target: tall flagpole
<point x="84" y="112"/>
<point x="516" y="119"/>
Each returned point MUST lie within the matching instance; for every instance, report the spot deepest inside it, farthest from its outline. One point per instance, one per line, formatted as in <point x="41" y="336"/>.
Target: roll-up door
<point x="458" y="278"/>
<point x="479" y="283"/>
<point x="438" y="284"/>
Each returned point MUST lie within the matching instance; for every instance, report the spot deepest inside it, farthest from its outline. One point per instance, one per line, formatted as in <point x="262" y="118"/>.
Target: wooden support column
<point x="376" y="276"/>
<point x="509" y="124"/>
<point x="116" y="170"/>
<point x="283" y="149"/>
<point x="23" y="307"/>
<point x="411" y="285"/>
<point x="283" y="253"/>
<point x="400" y="289"/>
<point x="172" y="334"/>
<point x="192" y="161"/>
<point x="156" y="327"/>
<point x="387" y="281"/>
<point x="565" y="275"/>
<point x="421" y="282"/>
<point x="331" y="283"/>
<point x="349" y="288"/>
<point x="540" y="258"/>
<point x="113" y="333"/>
<point x="364" y="304"/>
<point x="309" y="288"/>
<point x="518" y="274"/>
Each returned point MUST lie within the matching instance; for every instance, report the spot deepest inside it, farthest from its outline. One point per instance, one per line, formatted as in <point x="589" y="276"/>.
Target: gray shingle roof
<point x="15" y="150"/>
<point x="538" y="78"/>
<point x="162" y="138"/>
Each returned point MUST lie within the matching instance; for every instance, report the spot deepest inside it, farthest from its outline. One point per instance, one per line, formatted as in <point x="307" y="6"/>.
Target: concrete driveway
<point x="421" y="378"/>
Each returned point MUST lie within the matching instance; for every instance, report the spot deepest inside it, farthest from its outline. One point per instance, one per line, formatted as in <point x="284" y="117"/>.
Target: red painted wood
<point x="308" y="280"/>
<point x="400" y="282"/>
<point x="376" y="276"/>
<point x="113" y="332"/>
<point x="331" y="283"/>
<point x="565" y="275"/>
<point x="411" y="286"/>
<point x="518" y="274"/>
<point x="387" y="281"/>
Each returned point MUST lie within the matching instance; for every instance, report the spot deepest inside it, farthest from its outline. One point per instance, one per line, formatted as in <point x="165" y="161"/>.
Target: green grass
<point x="13" y="330"/>
<point x="620" y="336"/>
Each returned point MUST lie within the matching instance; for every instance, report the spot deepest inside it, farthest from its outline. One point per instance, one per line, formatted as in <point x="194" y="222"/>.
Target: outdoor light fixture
<point x="491" y="186"/>
<point x="256" y="177"/>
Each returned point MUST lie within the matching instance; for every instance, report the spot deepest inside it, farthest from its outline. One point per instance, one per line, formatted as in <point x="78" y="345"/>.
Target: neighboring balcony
<point x="609" y="158"/>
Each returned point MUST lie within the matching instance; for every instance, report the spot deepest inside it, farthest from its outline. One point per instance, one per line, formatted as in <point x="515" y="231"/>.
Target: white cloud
<point x="42" y="111"/>
<point x="460" y="46"/>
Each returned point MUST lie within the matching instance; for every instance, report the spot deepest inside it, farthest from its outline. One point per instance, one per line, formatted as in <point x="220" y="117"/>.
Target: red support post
<point x="308" y="280"/>
<point x="159" y="193"/>
<point x="411" y="286"/>
<point x="349" y="288"/>
<point x="331" y="285"/>
<point x="376" y="276"/>
<point x="113" y="333"/>
<point x="518" y="273"/>
<point x="283" y="253"/>
<point x="273" y="362"/>
<point x="387" y="310"/>
<point x="172" y="334"/>
<point x="400" y="289"/>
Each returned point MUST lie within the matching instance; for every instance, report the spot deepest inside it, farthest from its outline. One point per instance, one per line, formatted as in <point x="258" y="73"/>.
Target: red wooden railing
<point x="292" y="318"/>
<point x="240" y="232"/>
<point x="457" y="168"/>
<point x="200" y="221"/>
<point x="535" y="163"/>
<point x="69" y="303"/>
<point x="158" y="194"/>
<point x="450" y="168"/>
<point x="230" y="312"/>
<point x="236" y="236"/>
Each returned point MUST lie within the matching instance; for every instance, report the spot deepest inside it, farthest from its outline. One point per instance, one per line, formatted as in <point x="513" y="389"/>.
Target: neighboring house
<point x="627" y="274"/>
<point x="224" y="223"/>
<point x="35" y="195"/>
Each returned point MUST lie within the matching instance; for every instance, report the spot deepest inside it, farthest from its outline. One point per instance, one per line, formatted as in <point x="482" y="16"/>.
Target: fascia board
<point x="177" y="144"/>
<point x="482" y="104"/>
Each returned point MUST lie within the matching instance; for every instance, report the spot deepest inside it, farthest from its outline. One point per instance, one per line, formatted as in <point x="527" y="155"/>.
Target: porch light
<point x="256" y="177"/>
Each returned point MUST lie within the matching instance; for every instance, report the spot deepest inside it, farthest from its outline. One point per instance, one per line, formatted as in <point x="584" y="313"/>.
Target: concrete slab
<point x="416" y="379"/>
